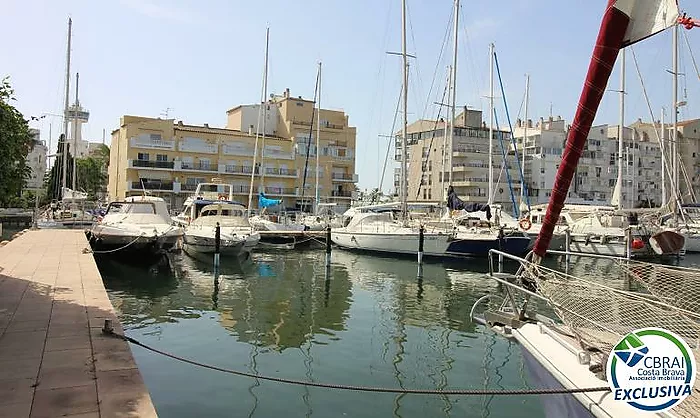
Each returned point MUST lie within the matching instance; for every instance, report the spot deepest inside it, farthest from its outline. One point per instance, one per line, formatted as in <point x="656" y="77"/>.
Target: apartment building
<point x="427" y="178"/>
<point x="169" y="158"/>
<point x="36" y="161"/>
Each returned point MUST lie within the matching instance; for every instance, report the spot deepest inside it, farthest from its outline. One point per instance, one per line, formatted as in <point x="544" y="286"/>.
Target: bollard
<point x="328" y="247"/>
<point x="108" y="328"/>
<point x="217" y="247"/>
<point x="421" y="239"/>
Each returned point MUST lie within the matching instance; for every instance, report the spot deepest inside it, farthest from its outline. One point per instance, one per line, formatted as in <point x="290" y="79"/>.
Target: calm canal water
<point x="372" y="322"/>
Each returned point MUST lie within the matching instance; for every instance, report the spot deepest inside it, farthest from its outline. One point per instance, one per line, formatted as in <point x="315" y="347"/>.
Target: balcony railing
<point x="152" y="185"/>
<point x="138" y="142"/>
<point x="198" y="167"/>
<point x="200" y="148"/>
<point x="337" y="193"/>
<point x="234" y="169"/>
<point x="279" y="155"/>
<point x="153" y="164"/>
<point x="280" y="190"/>
<point x="188" y="187"/>
<point x="227" y="149"/>
<point x="342" y="176"/>
<point x="281" y="171"/>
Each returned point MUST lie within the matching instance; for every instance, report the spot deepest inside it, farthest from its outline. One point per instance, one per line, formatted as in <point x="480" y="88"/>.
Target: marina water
<point x="371" y="322"/>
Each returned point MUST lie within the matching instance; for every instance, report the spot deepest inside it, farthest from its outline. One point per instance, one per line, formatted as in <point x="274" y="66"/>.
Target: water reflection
<point x="366" y="321"/>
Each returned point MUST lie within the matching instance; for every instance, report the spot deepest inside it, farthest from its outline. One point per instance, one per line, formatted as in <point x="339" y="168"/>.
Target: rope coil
<point x="471" y="392"/>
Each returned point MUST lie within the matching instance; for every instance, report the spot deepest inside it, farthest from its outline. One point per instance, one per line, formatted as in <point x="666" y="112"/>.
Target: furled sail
<point x="624" y="23"/>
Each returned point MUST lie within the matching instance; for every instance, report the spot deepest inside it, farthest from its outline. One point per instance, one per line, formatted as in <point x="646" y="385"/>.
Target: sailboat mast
<point x="621" y="130"/>
<point x="75" y="133"/>
<point x="527" y="100"/>
<point x="453" y="83"/>
<point x="264" y="112"/>
<point x="663" y="157"/>
<point x="404" y="141"/>
<point x="674" y="138"/>
<point x="443" y="164"/>
<point x="65" y="111"/>
<point x="263" y="103"/>
<point x="318" y="140"/>
<point x="491" y="47"/>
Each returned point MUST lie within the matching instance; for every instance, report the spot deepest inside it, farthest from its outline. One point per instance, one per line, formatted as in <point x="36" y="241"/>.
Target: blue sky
<point x="200" y="58"/>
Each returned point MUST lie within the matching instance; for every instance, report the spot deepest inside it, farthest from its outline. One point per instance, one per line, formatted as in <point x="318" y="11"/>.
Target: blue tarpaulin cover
<point x="264" y="202"/>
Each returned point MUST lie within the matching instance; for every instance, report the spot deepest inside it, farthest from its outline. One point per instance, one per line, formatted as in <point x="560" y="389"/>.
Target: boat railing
<point x="120" y="204"/>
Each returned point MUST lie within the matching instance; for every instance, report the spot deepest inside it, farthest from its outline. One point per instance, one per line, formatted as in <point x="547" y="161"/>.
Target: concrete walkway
<point x="54" y="360"/>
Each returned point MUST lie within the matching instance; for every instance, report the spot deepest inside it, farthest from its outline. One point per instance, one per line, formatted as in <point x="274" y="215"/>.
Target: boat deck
<point x="54" y="359"/>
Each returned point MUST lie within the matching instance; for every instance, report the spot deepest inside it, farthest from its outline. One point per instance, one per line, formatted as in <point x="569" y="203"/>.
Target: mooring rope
<point x="471" y="392"/>
<point x="114" y="250"/>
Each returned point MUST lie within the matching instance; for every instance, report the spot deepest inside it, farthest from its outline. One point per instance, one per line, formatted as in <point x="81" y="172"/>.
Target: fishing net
<point x="599" y="315"/>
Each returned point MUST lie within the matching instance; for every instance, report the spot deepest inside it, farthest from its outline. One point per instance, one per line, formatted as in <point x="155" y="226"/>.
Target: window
<point x="143" y="156"/>
<point x="425" y="194"/>
<point x="430" y="164"/>
<point x="161" y="157"/>
<point x="156" y="137"/>
<point x="598" y="170"/>
<point x="300" y="104"/>
<point x="542" y="170"/>
<point x="430" y="195"/>
<point x="204" y="163"/>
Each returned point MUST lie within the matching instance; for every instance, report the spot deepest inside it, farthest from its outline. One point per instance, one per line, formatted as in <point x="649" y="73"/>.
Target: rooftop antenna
<point x="166" y="112"/>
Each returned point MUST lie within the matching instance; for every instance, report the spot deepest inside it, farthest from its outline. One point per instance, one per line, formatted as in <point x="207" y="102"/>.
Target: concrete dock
<point x="54" y="360"/>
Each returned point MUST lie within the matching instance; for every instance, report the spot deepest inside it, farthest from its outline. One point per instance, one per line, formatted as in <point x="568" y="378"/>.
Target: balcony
<point x="227" y="149"/>
<point x="239" y="189"/>
<point x="141" y="142"/>
<point x="187" y="187"/>
<point x="281" y="172"/>
<point x="279" y="155"/>
<point x="198" y="167"/>
<point x="200" y="148"/>
<point x="165" y="186"/>
<point x="235" y="169"/>
<point x="164" y="165"/>
<point x="280" y="191"/>
<point x="338" y="193"/>
<point x="342" y="177"/>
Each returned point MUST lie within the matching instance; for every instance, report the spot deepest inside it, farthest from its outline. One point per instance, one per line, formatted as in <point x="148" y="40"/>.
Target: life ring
<point x="525" y="224"/>
<point x="222" y="197"/>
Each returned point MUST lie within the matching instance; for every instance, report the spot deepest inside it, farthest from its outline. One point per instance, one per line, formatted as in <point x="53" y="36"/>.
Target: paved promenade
<point x="54" y="360"/>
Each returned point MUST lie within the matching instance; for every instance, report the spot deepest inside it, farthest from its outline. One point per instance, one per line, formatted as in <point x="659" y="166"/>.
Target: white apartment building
<point x="36" y="161"/>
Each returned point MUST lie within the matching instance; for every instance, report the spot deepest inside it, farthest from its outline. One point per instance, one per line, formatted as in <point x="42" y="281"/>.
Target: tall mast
<point x="75" y="133"/>
<point x="264" y="112"/>
<point x="663" y="157"/>
<point x="491" y="46"/>
<point x="65" y="111"/>
<point x="674" y="138"/>
<point x="263" y="103"/>
<point x="318" y="138"/>
<point x="527" y="99"/>
<point x="621" y="130"/>
<point x="404" y="141"/>
<point x="443" y="164"/>
<point x="453" y="83"/>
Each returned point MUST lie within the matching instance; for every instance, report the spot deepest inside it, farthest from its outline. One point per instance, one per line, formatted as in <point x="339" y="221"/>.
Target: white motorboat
<point x="139" y="224"/>
<point x="236" y="233"/>
<point x="204" y="191"/>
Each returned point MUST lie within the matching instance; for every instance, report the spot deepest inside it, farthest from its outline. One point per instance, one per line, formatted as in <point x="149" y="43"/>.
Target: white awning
<point x="154" y="174"/>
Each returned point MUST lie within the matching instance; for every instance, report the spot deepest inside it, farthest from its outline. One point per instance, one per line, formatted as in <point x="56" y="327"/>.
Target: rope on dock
<point x="472" y="392"/>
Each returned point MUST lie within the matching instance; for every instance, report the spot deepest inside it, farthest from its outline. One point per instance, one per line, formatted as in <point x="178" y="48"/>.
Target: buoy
<point x="637" y="244"/>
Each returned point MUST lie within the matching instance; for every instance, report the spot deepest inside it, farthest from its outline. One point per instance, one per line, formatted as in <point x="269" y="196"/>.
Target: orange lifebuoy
<point x="525" y="224"/>
<point x="222" y="197"/>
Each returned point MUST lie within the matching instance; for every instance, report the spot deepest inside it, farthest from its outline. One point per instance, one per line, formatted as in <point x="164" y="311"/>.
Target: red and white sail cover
<point x="647" y="17"/>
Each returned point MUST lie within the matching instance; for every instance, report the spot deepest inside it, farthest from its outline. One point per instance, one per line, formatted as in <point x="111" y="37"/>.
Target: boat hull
<point x="435" y="245"/>
<point x="207" y="245"/>
<point x="480" y="247"/>
<point x="131" y="243"/>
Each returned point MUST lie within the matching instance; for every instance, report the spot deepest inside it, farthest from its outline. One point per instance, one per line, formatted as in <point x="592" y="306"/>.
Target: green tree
<point x="15" y="143"/>
<point x="91" y="176"/>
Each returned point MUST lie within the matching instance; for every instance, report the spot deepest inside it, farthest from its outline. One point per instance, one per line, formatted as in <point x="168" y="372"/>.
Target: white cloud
<point x="159" y="11"/>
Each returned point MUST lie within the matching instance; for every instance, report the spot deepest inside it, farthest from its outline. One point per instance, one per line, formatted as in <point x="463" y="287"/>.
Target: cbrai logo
<point x="651" y="369"/>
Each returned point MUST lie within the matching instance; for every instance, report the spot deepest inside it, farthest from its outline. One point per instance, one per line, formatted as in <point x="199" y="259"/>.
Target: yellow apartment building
<point x="168" y="158"/>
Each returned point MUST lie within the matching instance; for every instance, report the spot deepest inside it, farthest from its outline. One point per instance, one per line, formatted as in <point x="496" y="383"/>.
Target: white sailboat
<point x="214" y="190"/>
<point x="390" y="231"/>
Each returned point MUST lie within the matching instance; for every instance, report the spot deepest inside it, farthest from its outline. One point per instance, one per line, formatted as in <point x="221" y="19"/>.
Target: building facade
<point x="169" y="158"/>
<point x="428" y="179"/>
<point x="36" y="161"/>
